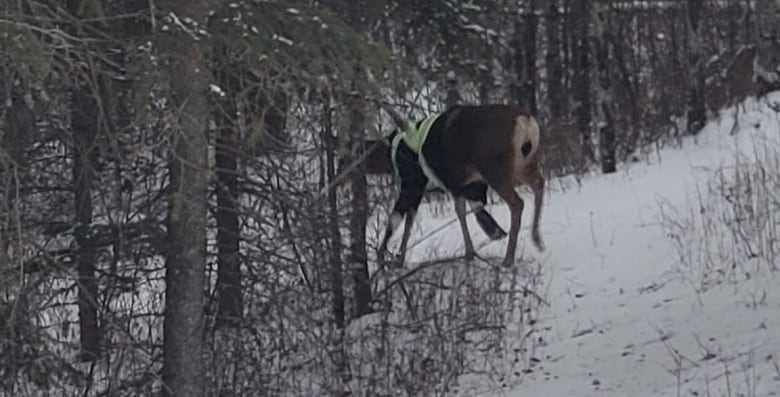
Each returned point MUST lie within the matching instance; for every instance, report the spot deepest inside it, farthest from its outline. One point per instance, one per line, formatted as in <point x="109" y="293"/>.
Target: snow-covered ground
<point x="623" y="319"/>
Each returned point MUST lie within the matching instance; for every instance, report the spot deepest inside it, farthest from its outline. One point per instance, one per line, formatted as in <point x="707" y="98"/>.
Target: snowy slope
<point x="622" y="321"/>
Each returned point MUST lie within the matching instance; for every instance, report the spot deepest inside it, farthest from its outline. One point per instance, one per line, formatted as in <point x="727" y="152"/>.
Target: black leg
<point x="476" y="194"/>
<point x="405" y="207"/>
<point x="399" y="260"/>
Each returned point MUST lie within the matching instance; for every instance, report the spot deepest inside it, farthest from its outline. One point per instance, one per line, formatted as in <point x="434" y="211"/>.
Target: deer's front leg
<point x="399" y="259"/>
<point x="392" y="225"/>
<point x="405" y="206"/>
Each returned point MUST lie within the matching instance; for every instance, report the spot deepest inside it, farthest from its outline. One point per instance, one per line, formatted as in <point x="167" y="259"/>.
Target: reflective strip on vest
<point x="394" y="151"/>
<point x="414" y="138"/>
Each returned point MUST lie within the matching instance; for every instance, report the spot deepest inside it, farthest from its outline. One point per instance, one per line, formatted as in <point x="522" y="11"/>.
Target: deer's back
<point x="467" y="141"/>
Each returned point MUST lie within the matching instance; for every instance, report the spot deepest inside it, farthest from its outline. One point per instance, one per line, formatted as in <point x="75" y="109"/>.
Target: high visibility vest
<point x="414" y="138"/>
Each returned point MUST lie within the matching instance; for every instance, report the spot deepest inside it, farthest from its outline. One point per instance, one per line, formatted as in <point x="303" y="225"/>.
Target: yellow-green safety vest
<point x="414" y="138"/>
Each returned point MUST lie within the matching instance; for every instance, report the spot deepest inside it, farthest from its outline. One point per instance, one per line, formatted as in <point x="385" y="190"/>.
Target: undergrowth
<point x="731" y="231"/>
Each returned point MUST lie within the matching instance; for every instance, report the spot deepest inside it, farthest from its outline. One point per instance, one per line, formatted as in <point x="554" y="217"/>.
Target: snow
<point x="282" y="39"/>
<point x="471" y="7"/>
<point x="623" y="319"/>
<point x="217" y="90"/>
<point x="480" y="29"/>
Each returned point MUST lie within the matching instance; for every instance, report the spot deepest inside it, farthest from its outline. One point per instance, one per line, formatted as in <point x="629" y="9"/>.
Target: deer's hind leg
<point x="534" y="178"/>
<point x="502" y="183"/>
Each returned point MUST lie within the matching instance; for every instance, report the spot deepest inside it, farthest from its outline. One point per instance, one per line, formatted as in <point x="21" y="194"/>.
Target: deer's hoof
<point x="498" y="234"/>
<point x="537" y="239"/>
<point x="471" y="253"/>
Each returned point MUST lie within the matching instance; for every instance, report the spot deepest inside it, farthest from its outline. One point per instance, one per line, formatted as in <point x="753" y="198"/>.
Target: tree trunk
<point x="553" y="61"/>
<point x="228" y="286"/>
<point x="523" y="88"/>
<point x="604" y="98"/>
<point x="335" y="266"/>
<point x="529" y="48"/>
<point x="84" y="130"/>
<point x="84" y="127"/>
<point x="20" y="122"/>
<point x="267" y="115"/>
<point x="182" y="373"/>
<point x="336" y="279"/>
<point x="696" y="107"/>
<point x="631" y="88"/>
<point x="453" y="95"/>
<point x="769" y="34"/>
<point x="732" y="25"/>
<point x="567" y="43"/>
<point x="485" y="77"/>
<point x="358" y="259"/>
<point x="581" y="85"/>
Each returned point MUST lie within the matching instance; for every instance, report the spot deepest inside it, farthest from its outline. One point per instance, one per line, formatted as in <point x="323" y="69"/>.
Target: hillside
<point x="626" y="316"/>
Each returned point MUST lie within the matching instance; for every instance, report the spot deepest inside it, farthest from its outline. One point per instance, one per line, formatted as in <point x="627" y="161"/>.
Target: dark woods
<point x="182" y="209"/>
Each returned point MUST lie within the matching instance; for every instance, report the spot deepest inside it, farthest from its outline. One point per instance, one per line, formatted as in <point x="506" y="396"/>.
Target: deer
<point x="463" y="151"/>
